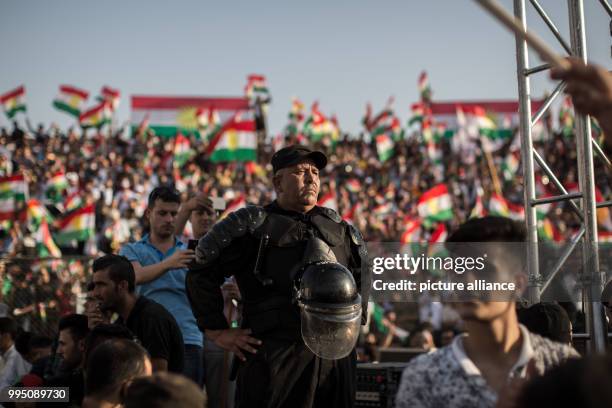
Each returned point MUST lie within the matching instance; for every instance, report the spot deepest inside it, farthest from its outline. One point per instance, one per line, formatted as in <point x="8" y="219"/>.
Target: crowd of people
<point x="135" y="312"/>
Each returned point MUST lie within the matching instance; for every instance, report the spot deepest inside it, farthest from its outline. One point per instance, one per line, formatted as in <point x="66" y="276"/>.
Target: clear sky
<point x="342" y="53"/>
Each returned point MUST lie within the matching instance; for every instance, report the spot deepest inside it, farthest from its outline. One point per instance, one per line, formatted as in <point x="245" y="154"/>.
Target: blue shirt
<point x="168" y="289"/>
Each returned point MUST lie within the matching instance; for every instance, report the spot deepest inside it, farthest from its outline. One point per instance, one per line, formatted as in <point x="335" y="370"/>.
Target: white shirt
<point x="447" y="378"/>
<point x="14" y="368"/>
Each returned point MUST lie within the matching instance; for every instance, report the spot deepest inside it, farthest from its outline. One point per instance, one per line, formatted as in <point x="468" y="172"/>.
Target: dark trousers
<point x="192" y="367"/>
<point x="288" y="375"/>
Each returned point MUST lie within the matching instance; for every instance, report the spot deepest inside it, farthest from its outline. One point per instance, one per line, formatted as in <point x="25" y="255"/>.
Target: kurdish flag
<point x="182" y="151"/>
<point x="58" y="182"/>
<point x="510" y="165"/>
<point x="296" y="114"/>
<point x="37" y="213"/>
<point x="235" y="141"/>
<point x="168" y="115"/>
<point x="424" y="87"/>
<point x="13" y="101"/>
<point x="385" y="147"/>
<point x="418" y="113"/>
<point x="78" y="225"/>
<point x="315" y="125"/>
<point x="412" y="231"/>
<point x="256" y="86"/>
<point x="111" y="96"/>
<point x="234" y="205"/>
<point x="478" y="211"/>
<point x="13" y="195"/>
<point x="498" y="205"/>
<point x="71" y="100"/>
<point x="353" y="185"/>
<point x="351" y="215"/>
<point x="38" y="219"/>
<point x="97" y="116"/>
<point x="329" y="201"/>
<point x="435" y="204"/>
<point x="604" y="236"/>
<point x="73" y="201"/>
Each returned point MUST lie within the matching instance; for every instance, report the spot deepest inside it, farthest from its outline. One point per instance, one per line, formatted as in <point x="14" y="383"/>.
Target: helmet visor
<point x="330" y="336"/>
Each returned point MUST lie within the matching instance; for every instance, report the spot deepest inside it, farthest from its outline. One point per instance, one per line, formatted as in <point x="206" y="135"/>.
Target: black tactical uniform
<point x="263" y="247"/>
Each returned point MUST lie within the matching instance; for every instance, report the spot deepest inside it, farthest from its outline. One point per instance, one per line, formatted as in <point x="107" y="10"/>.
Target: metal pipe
<point x="537" y="69"/>
<point x="555" y="199"/>
<point x="551" y="25"/>
<point x="549" y="100"/>
<point x="606" y="6"/>
<point x="601" y="153"/>
<point x="566" y="253"/>
<point x="556" y="182"/>
<point x="522" y="62"/>
<point x="604" y="204"/>
<point x="584" y="151"/>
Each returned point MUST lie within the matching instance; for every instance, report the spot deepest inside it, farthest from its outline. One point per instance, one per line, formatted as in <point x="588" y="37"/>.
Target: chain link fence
<point x="36" y="292"/>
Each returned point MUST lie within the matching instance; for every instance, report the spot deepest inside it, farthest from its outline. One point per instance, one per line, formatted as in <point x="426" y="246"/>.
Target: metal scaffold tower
<point x="582" y="203"/>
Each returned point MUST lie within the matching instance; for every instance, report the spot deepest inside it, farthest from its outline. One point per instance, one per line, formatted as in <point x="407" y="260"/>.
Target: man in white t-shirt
<point x="483" y="367"/>
<point x="14" y="366"/>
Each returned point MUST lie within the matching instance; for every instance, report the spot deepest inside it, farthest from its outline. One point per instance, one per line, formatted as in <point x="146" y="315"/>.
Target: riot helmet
<point x="330" y="309"/>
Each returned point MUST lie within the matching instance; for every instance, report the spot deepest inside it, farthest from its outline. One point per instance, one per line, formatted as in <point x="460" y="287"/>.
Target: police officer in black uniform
<point x="267" y="249"/>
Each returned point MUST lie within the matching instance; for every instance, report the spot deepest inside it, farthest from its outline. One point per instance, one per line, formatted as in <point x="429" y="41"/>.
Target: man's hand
<point x="234" y="340"/>
<point x="590" y="87"/>
<point x="230" y="291"/>
<point x="179" y="259"/>
<point x="199" y="201"/>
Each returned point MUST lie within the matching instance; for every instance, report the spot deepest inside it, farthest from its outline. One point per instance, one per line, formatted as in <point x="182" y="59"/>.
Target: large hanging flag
<point x="329" y="201"/>
<point x="182" y="151"/>
<point x="71" y="100"/>
<point x="38" y="222"/>
<point x="170" y="115"/>
<point x="435" y="205"/>
<point x="13" y="196"/>
<point x="236" y="141"/>
<point x="97" y="116"/>
<point x="111" y="96"/>
<point x="13" y="101"/>
<point x="78" y="225"/>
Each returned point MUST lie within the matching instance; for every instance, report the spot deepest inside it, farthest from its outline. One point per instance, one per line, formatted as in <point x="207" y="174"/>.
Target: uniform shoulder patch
<point x="355" y="235"/>
<point x="331" y="214"/>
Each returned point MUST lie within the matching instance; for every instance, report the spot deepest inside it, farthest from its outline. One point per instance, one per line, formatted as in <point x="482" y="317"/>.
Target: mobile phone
<point x="192" y="244"/>
<point x="218" y="203"/>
